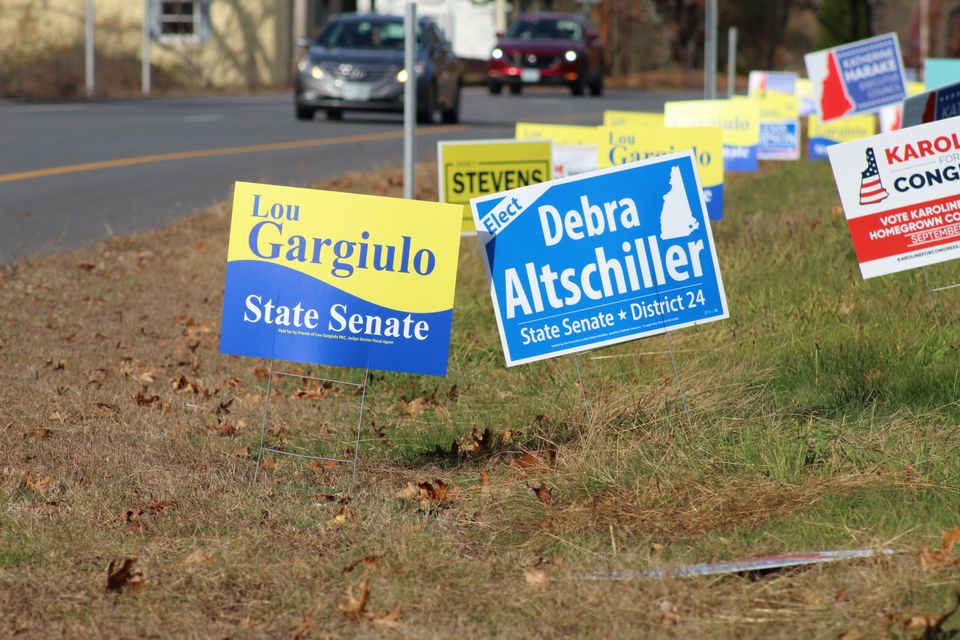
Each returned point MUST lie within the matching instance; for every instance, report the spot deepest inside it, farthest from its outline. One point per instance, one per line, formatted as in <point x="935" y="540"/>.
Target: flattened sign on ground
<point x="601" y="258"/>
<point x="901" y="196"/>
<point x="859" y="77"/>
<point x="340" y="279"/>
<point x="471" y="168"/>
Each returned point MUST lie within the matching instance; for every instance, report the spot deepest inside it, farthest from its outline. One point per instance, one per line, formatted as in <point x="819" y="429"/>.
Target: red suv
<point x="548" y="48"/>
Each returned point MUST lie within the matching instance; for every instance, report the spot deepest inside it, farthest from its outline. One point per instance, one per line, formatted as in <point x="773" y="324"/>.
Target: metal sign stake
<point x="266" y="413"/>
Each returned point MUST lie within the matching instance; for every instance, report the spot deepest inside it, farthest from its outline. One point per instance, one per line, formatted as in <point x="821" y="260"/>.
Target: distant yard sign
<point x="859" y="77"/>
<point x="932" y="105"/>
<point x="598" y="259"/>
<point x="340" y="279"/>
<point x="470" y="168"/>
<point x="739" y="120"/>
<point x="625" y="144"/>
<point x="901" y="196"/>
<point x="827" y="134"/>
<point x="761" y="82"/>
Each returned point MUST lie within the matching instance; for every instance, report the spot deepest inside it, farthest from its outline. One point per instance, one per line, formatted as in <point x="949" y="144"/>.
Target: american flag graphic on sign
<point x="871" y="189"/>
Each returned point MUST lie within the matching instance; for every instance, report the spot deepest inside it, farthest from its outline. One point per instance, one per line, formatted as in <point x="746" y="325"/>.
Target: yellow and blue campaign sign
<point x="600" y="258"/>
<point x="632" y="119"/>
<point x="779" y="125"/>
<point x="340" y="279"/>
<point x="470" y="168"/>
<point x="825" y="134"/>
<point x="740" y="121"/>
<point x="623" y="145"/>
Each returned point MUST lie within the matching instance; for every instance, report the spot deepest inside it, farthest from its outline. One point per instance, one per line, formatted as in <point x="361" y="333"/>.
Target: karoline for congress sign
<point x="600" y="258"/>
<point x="340" y="279"/>
<point x="901" y="195"/>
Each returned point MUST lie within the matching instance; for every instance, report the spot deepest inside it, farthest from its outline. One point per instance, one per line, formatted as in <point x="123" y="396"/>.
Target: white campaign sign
<point x="901" y="196"/>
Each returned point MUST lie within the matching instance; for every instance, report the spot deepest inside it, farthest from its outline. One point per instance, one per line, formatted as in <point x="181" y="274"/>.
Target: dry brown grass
<point x="125" y="434"/>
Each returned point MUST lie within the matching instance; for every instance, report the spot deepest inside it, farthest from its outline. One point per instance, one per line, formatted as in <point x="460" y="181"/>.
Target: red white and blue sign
<point x="859" y="77"/>
<point x="600" y="258"/>
<point x="938" y="104"/>
<point x="901" y="196"/>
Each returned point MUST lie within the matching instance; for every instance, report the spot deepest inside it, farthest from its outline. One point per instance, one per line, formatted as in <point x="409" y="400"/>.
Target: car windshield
<point x="544" y="29"/>
<point x="365" y="34"/>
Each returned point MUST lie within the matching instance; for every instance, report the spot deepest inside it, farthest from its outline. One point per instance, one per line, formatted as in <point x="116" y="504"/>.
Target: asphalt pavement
<point x="74" y="173"/>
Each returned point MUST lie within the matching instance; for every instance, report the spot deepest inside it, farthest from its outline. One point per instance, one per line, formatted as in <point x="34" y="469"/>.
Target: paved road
<point x="73" y="173"/>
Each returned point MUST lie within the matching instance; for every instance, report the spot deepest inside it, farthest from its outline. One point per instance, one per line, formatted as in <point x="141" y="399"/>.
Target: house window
<point x="181" y="19"/>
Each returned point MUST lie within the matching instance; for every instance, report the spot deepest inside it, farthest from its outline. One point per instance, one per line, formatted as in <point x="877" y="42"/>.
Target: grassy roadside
<point x="823" y="414"/>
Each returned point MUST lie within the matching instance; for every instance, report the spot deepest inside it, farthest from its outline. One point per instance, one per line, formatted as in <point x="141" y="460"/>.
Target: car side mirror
<point x="303" y="42"/>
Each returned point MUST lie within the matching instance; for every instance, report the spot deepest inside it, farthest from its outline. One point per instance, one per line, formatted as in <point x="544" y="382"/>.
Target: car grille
<point x="531" y="60"/>
<point x="357" y="73"/>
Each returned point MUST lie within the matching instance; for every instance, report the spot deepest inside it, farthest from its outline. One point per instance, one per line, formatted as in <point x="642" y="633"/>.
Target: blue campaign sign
<point x="859" y="77"/>
<point x="929" y="106"/>
<point x="600" y="258"/>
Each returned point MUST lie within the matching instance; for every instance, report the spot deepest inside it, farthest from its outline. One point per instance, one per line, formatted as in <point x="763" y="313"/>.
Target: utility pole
<point x="145" y="79"/>
<point x="710" y="52"/>
<point x="89" y="48"/>
<point x="731" y="61"/>
<point x="409" y="99"/>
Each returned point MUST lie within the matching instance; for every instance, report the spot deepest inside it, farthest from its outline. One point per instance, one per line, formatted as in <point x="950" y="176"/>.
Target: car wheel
<point x="427" y="113"/>
<point x="304" y="113"/>
<point x="334" y="114"/>
<point x="452" y="115"/>
<point x="494" y="87"/>
<point x="596" y="87"/>
<point x="576" y="88"/>
<point x="516" y="88"/>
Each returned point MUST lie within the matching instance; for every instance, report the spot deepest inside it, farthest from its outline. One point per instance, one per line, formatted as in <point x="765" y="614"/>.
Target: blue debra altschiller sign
<point x="600" y="258"/>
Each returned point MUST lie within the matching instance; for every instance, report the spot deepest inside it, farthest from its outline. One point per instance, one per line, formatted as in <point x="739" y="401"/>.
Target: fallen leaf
<point x="159" y="505"/>
<point x="301" y="631"/>
<point x="225" y="429"/>
<point x="37" y="433"/>
<point x="41" y="484"/>
<point x="356" y="604"/>
<point x="85" y="266"/>
<point x="146" y="376"/>
<point x="125" y="577"/>
<point x="657" y="549"/>
<point x="409" y="492"/>
<point x="484" y="482"/>
<point x="535" y="577"/>
<point x="528" y="460"/>
<point x="389" y="619"/>
<point x="543" y="492"/>
<point x="243" y="452"/>
<point x="944" y="556"/>
<point x="269" y="464"/>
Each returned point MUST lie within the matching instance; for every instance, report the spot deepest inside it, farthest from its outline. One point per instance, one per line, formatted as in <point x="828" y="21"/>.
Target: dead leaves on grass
<point x="355" y="608"/>
<point x="431" y="497"/>
<point x="126" y="576"/>
<point x="932" y="626"/>
<point x="943" y="557"/>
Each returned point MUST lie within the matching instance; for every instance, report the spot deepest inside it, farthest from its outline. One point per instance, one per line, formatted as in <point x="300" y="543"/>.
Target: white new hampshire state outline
<point x="676" y="218"/>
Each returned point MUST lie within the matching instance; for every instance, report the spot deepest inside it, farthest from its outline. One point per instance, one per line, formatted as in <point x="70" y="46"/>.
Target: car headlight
<point x="316" y="73"/>
<point x="497" y="53"/>
<point x="402" y="75"/>
<point x="570" y="56"/>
